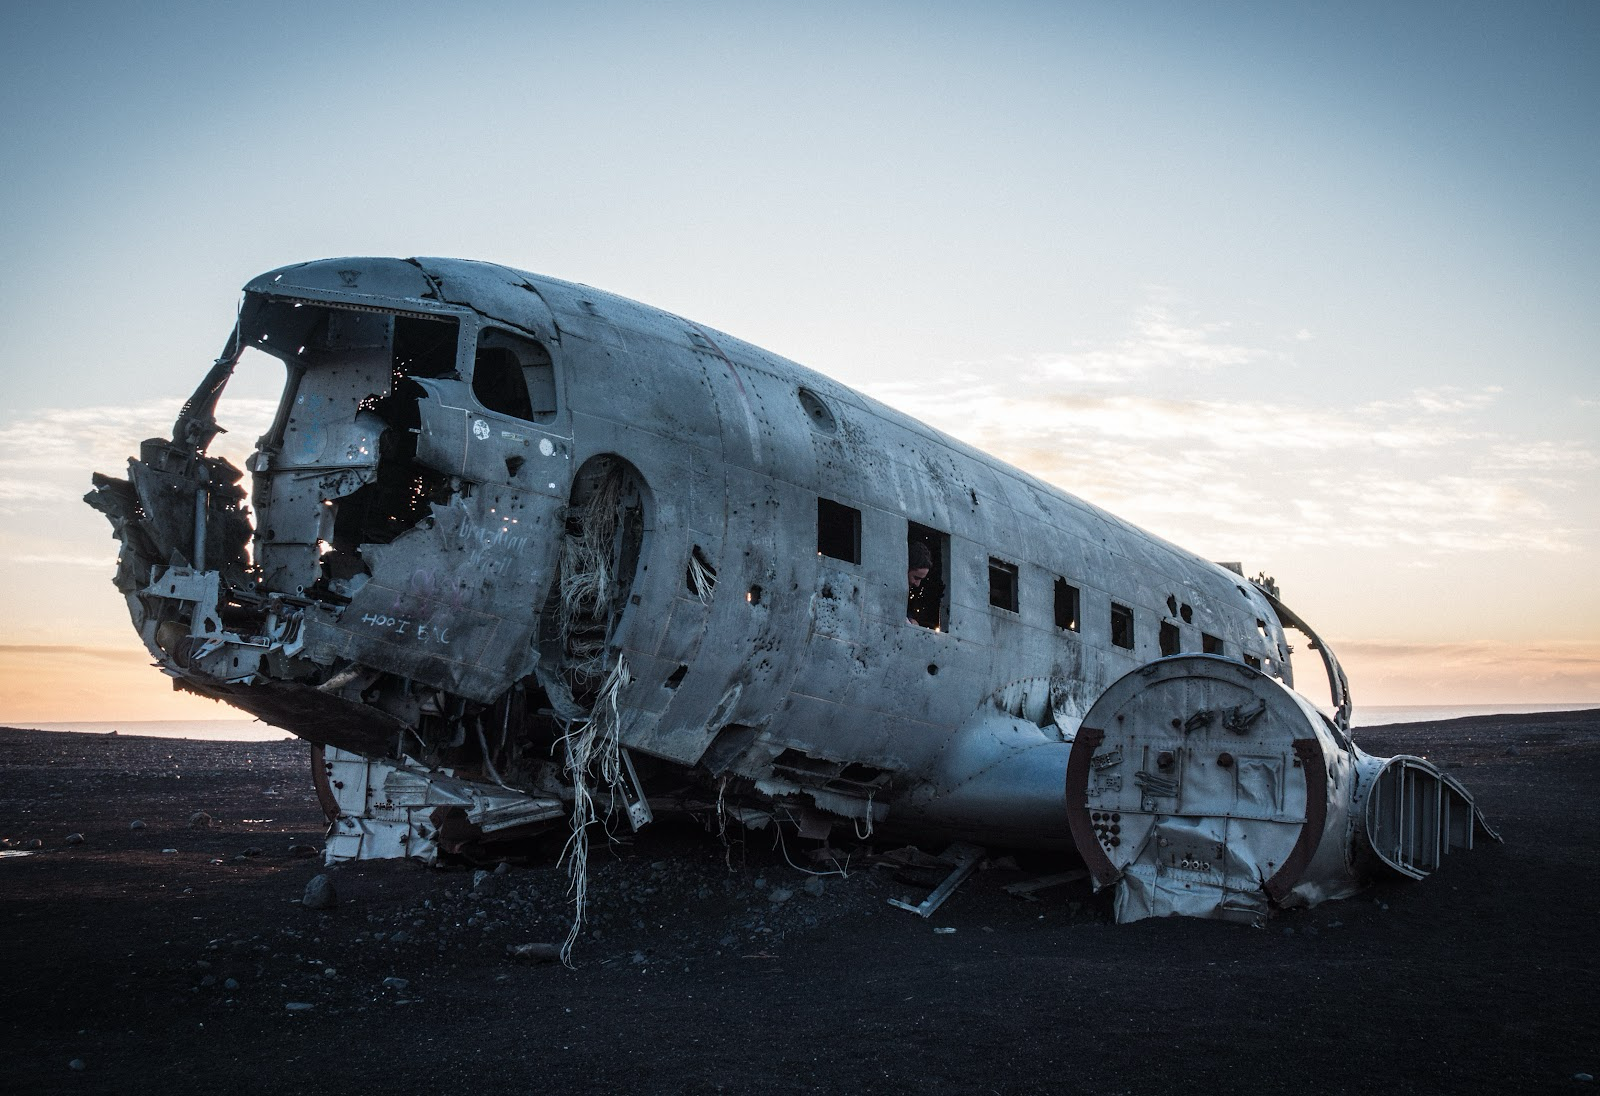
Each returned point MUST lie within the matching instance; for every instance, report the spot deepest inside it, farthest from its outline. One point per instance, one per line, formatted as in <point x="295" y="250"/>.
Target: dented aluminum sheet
<point x="520" y="554"/>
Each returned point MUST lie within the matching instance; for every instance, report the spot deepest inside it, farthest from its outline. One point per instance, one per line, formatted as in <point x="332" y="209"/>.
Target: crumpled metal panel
<point x="453" y="602"/>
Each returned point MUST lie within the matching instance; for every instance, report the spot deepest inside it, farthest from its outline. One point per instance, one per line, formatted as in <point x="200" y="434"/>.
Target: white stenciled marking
<point x="480" y="429"/>
<point x="546" y="446"/>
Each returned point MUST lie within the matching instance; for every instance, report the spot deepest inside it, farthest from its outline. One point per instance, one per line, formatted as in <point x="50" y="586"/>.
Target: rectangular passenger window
<point x="1122" y="626"/>
<point x="1002" y="584"/>
<point x="1169" y="638"/>
<point x="1210" y="644"/>
<point x="838" y="531"/>
<point x="1067" y="603"/>
<point x="927" y="577"/>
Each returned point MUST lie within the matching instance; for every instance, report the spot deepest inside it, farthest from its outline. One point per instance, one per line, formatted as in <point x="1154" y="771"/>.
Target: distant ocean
<point x="249" y="730"/>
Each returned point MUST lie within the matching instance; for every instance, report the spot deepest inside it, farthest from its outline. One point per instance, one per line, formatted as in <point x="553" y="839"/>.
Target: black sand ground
<point x="172" y="971"/>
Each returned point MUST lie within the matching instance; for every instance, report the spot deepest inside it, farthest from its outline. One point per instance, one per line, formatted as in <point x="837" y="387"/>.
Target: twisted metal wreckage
<point x="525" y="554"/>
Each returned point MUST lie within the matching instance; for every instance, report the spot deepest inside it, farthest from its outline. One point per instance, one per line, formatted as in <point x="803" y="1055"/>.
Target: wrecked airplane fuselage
<point x="520" y="553"/>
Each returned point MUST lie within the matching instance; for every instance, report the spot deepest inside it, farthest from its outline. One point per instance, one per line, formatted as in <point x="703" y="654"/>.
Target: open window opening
<point x="514" y="375"/>
<point x="1068" y="603"/>
<point x="337" y="469"/>
<point x="838" y="531"/>
<point x="1122" y="626"/>
<point x="1170" y="644"/>
<point x="1210" y="644"/>
<point x="927" y="577"/>
<point x="1003" y="584"/>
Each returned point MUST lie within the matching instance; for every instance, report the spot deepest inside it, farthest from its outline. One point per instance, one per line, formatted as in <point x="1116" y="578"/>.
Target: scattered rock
<point x="399" y="937"/>
<point x="79" y="1063"/>
<point x="638" y="958"/>
<point x="534" y="953"/>
<point x="251" y="851"/>
<point x="397" y="984"/>
<point x="815" y="885"/>
<point x="230" y="984"/>
<point x="1583" y="1076"/>
<point x="779" y="895"/>
<point x="74" y="838"/>
<point x="1512" y="751"/>
<point x="502" y="868"/>
<point x="946" y="931"/>
<point x="200" y="820"/>
<point x="168" y="851"/>
<point x="299" y="1006"/>
<point x="209" y="980"/>
<point x="320" y="894"/>
<point x="36" y="843"/>
<point x="136" y="825"/>
<point x="302" y="851"/>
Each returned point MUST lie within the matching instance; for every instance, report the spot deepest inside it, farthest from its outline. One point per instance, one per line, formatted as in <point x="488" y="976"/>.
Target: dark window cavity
<point x="1169" y="638"/>
<point x="1067" y="604"/>
<point x="514" y="376"/>
<point x="1122" y="626"/>
<point x="1210" y="644"/>
<point x="1002" y="584"/>
<point x="838" y="531"/>
<point x="926" y="602"/>
<point x="1252" y="661"/>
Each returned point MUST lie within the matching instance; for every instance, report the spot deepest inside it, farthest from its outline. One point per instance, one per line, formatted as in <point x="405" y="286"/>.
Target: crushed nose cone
<point x="1201" y="787"/>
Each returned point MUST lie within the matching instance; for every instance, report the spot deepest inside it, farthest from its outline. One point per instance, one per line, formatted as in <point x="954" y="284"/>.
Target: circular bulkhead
<point x="1200" y="786"/>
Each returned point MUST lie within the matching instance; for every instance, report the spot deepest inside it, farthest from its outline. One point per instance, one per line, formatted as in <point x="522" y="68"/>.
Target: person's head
<point x="919" y="561"/>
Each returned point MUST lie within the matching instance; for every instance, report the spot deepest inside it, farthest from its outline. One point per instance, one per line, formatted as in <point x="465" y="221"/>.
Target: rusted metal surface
<point x="525" y="539"/>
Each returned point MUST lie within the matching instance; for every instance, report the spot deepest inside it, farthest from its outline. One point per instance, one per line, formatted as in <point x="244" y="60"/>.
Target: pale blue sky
<point x="1315" y="289"/>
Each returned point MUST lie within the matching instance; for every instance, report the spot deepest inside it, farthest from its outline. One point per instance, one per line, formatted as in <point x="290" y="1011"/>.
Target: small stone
<point x="727" y="942"/>
<point x="329" y="972"/>
<point x="74" y="838"/>
<point x="815" y="886"/>
<point x="396" y="984"/>
<point x="478" y="878"/>
<point x="78" y="1064"/>
<point x="779" y="895"/>
<point x="638" y="958"/>
<point x="320" y="894"/>
<point x="946" y="931"/>
<point x="298" y="1006"/>
<point x="251" y="851"/>
<point x="36" y="843"/>
<point x="502" y="868"/>
<point x="1583" y="1077"/>
<point x="136" y="825"/>
<point x="1512" y="751"/>
<point x="209" y="980"/>
<point x="302" y="851"/>
<point x="168" y="852"/>
<point x="534" y="953"/>
<point x="200" y="820"/>
<point x="230" y="984"/>
<point x="399" y="937"/>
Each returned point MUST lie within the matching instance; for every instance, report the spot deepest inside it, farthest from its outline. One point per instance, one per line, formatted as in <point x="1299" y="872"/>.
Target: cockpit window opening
<point x="514" y="376"/>
<point x="1170" y="643"/>
<point x="1210" y="644"/>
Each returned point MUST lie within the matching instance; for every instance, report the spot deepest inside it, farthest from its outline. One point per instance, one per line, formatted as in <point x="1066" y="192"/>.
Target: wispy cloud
<point x="1431" y="470"/>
